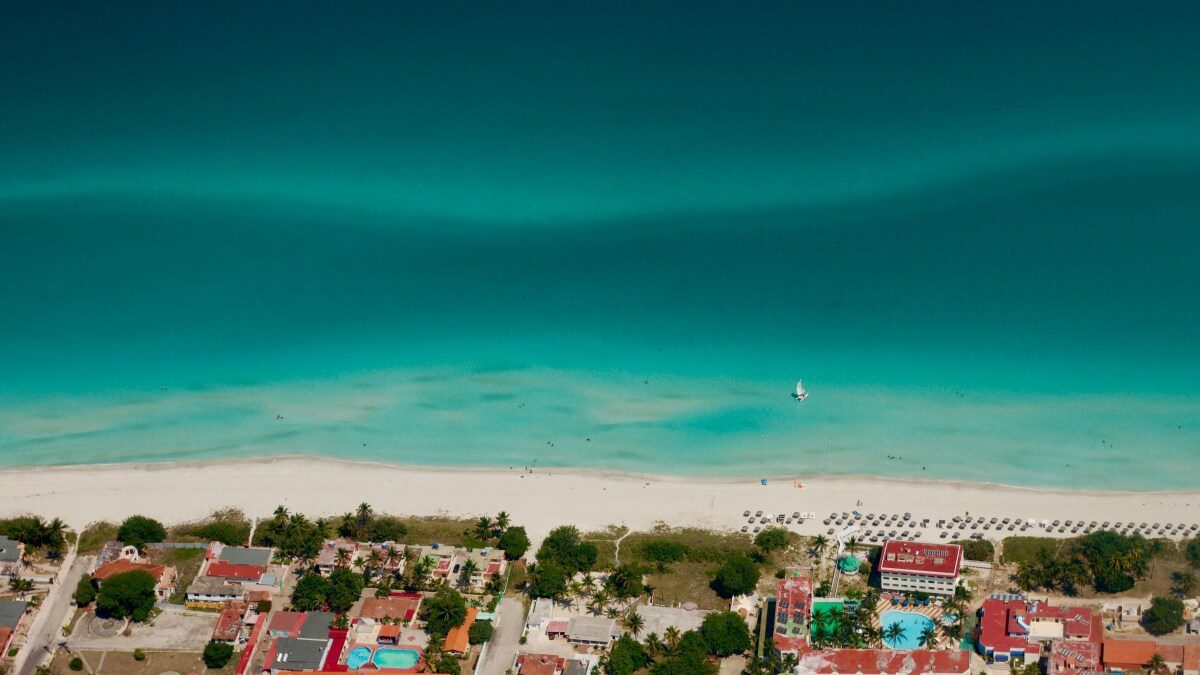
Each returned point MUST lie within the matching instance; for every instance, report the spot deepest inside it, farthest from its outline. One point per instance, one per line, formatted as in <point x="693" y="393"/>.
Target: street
<point x="502" y="648"/>
<point x="47" y="626"/>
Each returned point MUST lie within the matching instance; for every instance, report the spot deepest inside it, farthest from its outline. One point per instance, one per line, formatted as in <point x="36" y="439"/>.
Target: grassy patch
<point x="123" y="663"/>
<point x="95" y="536"/>
<point x="686" y="582"/>
<point x="229" y="526"/>
<point x="703" y="546"/>
<point x="443" y="530"/>
<point x="606" y="545"/>
<point x="187" y="561"/>
<point x="1030" y="549"/>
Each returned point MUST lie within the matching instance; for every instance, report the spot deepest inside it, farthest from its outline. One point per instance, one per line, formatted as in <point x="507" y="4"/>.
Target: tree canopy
<point x="480" y="632"/>
<point x="625" y="581"/>
<point x="772" y="539"/>
<point x="1165" y="615"/>
<point x="444" y="611"/>
<point x="514" y="542"/>
<point x="310" y="592"/>
<point x="217" y="654"/>
<point x="547" y="580"/>
<point x="339" y="592"/>
<point x="627" y="657"/>
<point x="725" y="633"/>
<point x="127" y="595"/>
<point x="690" y="657"/>
<point x="141" y="530"/>
<point x="564" y="546"/>
<point x="738" y="576"/>
<point x="85" y="592"/>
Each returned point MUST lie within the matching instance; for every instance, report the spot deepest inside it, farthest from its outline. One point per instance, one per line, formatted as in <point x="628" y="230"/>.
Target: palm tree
<point x="466" y="571"/>
<point x="420" y="573"/>
<point x="483" y="528"/>
<point x="672" y="636"/>
<point x="819" y="544"/>
<point x="963" y="593"/>
<point x="634" y="622"/>
<point x="612" y="612"/>
<point x="1156" y="664"/>
<point x="348" y="527"/>
<point x="1185" y="583"/>
<point x="654" y="645"/>
<point x="600" y="601"/>
<point x="321" y="526"/>
<point x="433" y="648"/>
<point x="374" y="561"/>
<point x="393" y="558"/>
<point x="929" y="637"/>
<point x="17" y="584"/>
<point x="502" y="520"/>
<point x="894" y="633"/>
<point x="363" y="515"/>
<point x="341" y="558"/>
<point x="818" y="618"/>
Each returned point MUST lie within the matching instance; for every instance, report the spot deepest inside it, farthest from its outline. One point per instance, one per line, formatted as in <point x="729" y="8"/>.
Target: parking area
<point x="172" y="630"/>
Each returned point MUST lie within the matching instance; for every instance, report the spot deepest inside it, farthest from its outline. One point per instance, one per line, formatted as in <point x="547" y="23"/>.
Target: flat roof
<point x="907" y="557"/>
<point x="889" y="661"/>
<point x="245" y="555"/>
<point x="11" y="611"/>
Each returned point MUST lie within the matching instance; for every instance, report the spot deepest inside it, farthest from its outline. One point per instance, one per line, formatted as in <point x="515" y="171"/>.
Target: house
<point x="234" y="573"/>
<point x="448" y="563"/>
<point x="304" y="647"/>
<point x="594" y="631"/>
<point x="1005" y="631"/>
<point x="1073" y="657"/>
<point x="389" y="553"/>
<point x="165" y="577"/>
<point x="910" y="567"/>
<point x="11" y="555"/>
<point x="550" y="664"/>
<point x="328" y="558"/>
<point x="457" y="640"/>
<point x="792" y="612"/>
<point x="11" y="612"/>
<point x="657" y="619"/>
<point x="211" y="593"/>
<point x="230" y="623"/>
<point x="240" y="555"/>
<point x="113" y="551"/>
<point x="401" y="608"/>
<point x="1124" y="655"/>
<point x="885" y="661"/>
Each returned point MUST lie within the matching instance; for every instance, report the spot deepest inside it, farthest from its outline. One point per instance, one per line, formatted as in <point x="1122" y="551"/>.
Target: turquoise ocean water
<point x="606" y="235"/>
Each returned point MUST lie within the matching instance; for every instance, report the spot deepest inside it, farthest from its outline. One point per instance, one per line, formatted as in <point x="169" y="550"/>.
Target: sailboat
<point x="800" y="393"/>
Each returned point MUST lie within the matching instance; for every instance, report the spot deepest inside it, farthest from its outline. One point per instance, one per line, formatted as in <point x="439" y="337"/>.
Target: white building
<point x="910" y="567"/>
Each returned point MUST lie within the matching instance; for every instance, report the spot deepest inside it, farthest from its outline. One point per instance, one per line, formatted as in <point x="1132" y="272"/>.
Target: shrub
<point x="448" y="664"/>
<point x="1164" y="616"/>
<point x="772" y="539"/>
<point x="139" y="655"/>
<point x="263" y="606"/>
<point x="310" y="592"/>
<point x="664" y="551"/>
<point x="444" y="611"/>
<point x="140" y="530"/>
<point x="981" y="550"/>
<point x="129" y="594"/>
<point x="76" y="664"/>
<point x="85" y="592"/>
<point x="481" y="631"/>
<point x="217" y="654"/>
<point x="627" y="657"/>
<point x="1192" y="551"/>
<point x="725" y="633"/>
<point x="564" y="546"/>
<point x="738" y="576"/>
<point x="514" y="542"/>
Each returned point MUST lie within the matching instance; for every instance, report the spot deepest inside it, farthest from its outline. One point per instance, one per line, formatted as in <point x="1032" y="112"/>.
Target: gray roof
<point x="316" y="626"/>
<point x="298" y="654"/>
<point x="592" y="629"/>
<point x="8" y="550"/>
<point x="574" y="667"/>
<point x="657" y="619"/>
<point x="241" y="555"/>
<point x="10" y="613"/>
<point x="213" y="586"/>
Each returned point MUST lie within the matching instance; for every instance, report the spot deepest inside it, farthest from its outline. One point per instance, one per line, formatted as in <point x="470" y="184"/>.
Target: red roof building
<point x="1004" y="630"/>
<point x="234" y="573"/>
<point x="1135" y="654"/>
<point x="229" y="624"/>
<point x="399" y="608"/>
<point x="889" y="661"/>
<point x="911" y="567"/>
<point x="793" y="610"/>
<point x="285" y="624"/>
<point x="457" y="641"/>
<point x="538" y="664"/>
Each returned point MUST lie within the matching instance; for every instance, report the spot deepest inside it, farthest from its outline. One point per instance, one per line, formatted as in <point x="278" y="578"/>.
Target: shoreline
<point x="540" y="499"/>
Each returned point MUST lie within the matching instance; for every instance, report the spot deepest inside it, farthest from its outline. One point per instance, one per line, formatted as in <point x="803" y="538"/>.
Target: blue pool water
<point x="358" y="657"/>
<point x="396" y="658"/>
<point x="914" y="625"/>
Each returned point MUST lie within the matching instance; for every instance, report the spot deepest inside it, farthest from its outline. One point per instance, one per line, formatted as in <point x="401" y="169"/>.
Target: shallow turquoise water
<point x="607" y="237"/>
<point x="395" y="658"/>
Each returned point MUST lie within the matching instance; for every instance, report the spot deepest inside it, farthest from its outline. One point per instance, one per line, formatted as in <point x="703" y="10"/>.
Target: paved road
<point x="47" y="627"/>
<point x="502" y="648"/>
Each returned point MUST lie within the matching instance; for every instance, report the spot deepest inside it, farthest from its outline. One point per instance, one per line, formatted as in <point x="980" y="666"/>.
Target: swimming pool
<point x="913" y="625"/>
<point x="358" y="657"/>
<point x="395" y="658"/>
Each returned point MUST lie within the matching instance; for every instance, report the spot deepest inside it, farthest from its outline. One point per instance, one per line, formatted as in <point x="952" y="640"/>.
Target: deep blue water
<point x="606" y="235"/>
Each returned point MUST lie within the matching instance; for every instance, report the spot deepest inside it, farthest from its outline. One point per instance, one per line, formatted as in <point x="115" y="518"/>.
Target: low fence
<point x="175" y="544"/>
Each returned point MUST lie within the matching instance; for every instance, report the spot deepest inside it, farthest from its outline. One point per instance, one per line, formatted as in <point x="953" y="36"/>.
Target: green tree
<point x="75" y="664"/>
<point x="772" y="539"/>
<point x="738" y="576"/>
<point x="634" y="622"/>
<point x="85" y="592"/>
<point x="444" y="611"/>
<point x="928" y="637"/>
<point x="140" y="530"/>
<point x="448" y="664"/>
<point x="514" y="542"/>
<point x="127" y="595"/>
<point x="625" y="582"/>
<point x="725" y="633"/>
<point x="690" y="657"/>
<point x="626" y="657"/>
<point x="345" y="588"/>
<point x="1165" y="615"/>
<point x="1184" y="584"/>
<point x="894" y="633"/>
<point x="480" y="632"/>
<point x="1156" y="664"/>
<point x="217" y="654"/>
<point x="547" y="580"/>
<point x="310" y="593"/>
<point x="139" y="655"/>
<point x="564" y="546"/>
<point x="1192" y="551"/>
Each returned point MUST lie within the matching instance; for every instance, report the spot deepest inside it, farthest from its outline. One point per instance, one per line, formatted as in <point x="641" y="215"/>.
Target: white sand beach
<point x="541" y="500"/>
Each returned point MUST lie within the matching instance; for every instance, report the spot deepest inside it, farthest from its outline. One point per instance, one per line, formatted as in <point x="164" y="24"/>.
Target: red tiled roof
<point x="404" y="608"/>
<point x="457" y="639"/>
<point x="228" y="570"/>
<point x="1076" y="621"/>
<point x="392" y="631"/>
<point x="1133" y="654"/>
<point x="537" y="664"/>
<point x="892" y="662"/>
<point x="939" y="560"/>
<point x="122" y="565"/>
<point x="334" y="653"/>
<point x="244" y="661"/>
<point x="1068" y="656"/>
<point x="288" y="622"/>
<point x="229" y="624"/>
<point x="1003" y="627"/>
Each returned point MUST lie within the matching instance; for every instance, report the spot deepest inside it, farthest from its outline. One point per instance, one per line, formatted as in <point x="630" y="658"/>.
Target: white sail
<point x="800" y="393"/>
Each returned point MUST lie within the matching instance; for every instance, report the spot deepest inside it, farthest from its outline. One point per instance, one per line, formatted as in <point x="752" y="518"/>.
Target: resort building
<point x="211" y="593"/>
<point x="885" y="661"/>
<point x="231" y="622"/>
<point x="1015" y="628"/>
<point x="791" y="614"/>
<point x="1126" y="655"/>
<point x="11" y="555"/>
<point x="399" y="608"/>
<point x="910" y="567"/>
<point x="239" y="555"/>
<point x="165" y="578"/>
<point x="1073" y="657"/>
<point x="114" y="551"/>
<point x="448" y="563"/>
<point x="1006" y="632"/>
